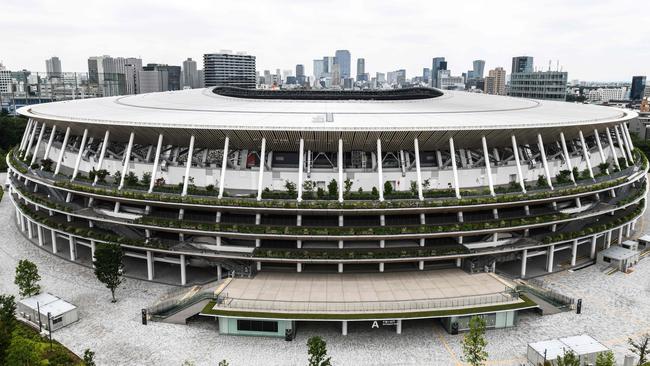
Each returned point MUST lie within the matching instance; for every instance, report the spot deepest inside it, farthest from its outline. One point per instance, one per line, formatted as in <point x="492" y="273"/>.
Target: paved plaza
<point x="615" y="307"/>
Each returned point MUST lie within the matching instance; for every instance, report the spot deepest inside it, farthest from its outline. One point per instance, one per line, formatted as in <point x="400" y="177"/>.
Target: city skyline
<point x="408" y="41"/>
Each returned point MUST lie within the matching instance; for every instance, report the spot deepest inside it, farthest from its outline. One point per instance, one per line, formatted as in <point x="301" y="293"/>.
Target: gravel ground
<point x="615" y="307"/>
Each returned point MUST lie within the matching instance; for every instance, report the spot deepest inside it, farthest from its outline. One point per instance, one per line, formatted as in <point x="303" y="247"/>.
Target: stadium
<point x="342" y="206"/>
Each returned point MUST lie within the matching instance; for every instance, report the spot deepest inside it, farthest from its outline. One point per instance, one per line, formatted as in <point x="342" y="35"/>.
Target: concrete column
<point x="39" y="233"/>
<point x="224" y="166"/>
<point x="150" y="265"/>
<point x="63" y="145"/>
<point x="22" y="223"/>
<point x="592" y="253"/>
<point x="258" y="265"/>
<point x="628" y="230"/>
<point x="156" y="161"/>
<point x="31" y="140"/>
<point x="219" y="272"/>
<point x="260" y="179"/>
<point x="550" y="253"/>
<point x="381" y="267"/>
<point x="30" y="229"/>
<point x="628" y="139"/>
<point x="54" y="246"/>
<point x="84" y="137"/>
<point x="542" y="152"/>
<point x="102" y="154"/>
<point x="183" y="273"/>
<point x="38" y="144"/>
<point x="127" y="159"/>
<point x="46" y="155"/>
<point x="567" y="157"/>
<point x="298" y="267"/>
<point x="524" y="260"/>
<point x="574" y="252"/>
<point x="340" y="166"/>
<point x="380" y="174"/>
<point x="420" y="265"/>
<point x="340" y="267"/>
<point x="453" y="166"/>
<point x="188" y="165"/>
<point x="459" y="261"/>
<point x="600" y="148"/>
<point x="73" y="248"/>
<point x="585" y="154"/>
<point x="416" y="147"/>
<point x="92" y="250"/>
<point x="301" y="163"/>
<point x="609" y="238"/>
<point x="398" y="327"/>
<point x="488" y="168"/>
<point x="515" y="151"/>
<point x="344" y="327"/>
<point x="621" y="145"/>
<point x="23" y="141"/>
<point x="612" y="148"/>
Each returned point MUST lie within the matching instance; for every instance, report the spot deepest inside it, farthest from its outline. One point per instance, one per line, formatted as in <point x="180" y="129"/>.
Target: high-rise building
<point x="328" y="62"/>
<point x="550" y="85"/>
<point x="638" y="88"/>
<point x="522" y="64"/>
<point x="152" y="80"/>
<point x="336" y="75"/>
<point x="300" y="74"/>
<point x="107" y="74"/>
<point x="437" y="64"/>
<point x="229" y="69"/>
<point x="5" y="80"/>
<point x="426" y="74"/>
<point x="342" y="57"/>
<point x="319" y="68"/>
<point x="446" y="81"/>
<point x="478" y="66"/>
<point x="53" y="67"/>
<point x="361" y="69"/>
<point x="495" y="82"/>
<point x="171" y="76"/>
<point x="190" y="74"/>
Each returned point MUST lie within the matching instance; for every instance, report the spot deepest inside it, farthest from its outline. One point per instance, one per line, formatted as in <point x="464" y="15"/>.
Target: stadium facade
<point x="234" y="182"/>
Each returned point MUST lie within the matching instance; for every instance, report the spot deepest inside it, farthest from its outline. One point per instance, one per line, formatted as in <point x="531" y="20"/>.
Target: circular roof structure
<point x="418" y="109"/>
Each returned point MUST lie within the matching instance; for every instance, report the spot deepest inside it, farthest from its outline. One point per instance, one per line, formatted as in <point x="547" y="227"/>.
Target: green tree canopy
<point x="474" y="342"/>
<point x="27" y="278"/>
<point x="109" y="266"/>
<point x="317" y="350"/>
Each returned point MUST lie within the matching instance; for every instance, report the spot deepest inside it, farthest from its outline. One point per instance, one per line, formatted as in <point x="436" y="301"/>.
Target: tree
<point x="640" y="348"/>
<point x="308" y="188"/>
<point x="388" y="188"/>
<point x="414" y="188"/>
<point x="7" y="324"/>
<point x="223" y="363"/>
<point x="333" y="188"/>
<point x="291" y="188"/>
<point x="602" y="167"/>
<point x="27" y="278"/>
<point x="374" y="192"/>
<point x="541" y="181"/>
<point x="89" y="358"/>
<point x="131" y="179"/>
<point x="146" y="178"/>
<point x="22" y="351"/>
<point x="474" y="342"/>
<point x="568" y="359"/>
<point x="317" y="350"/>
<point x="347" y="187"/>
<point x="47" y="164"/>
<point x="108" y="266"/>
<point x="117" y="177"/>
<point x="605" y="359"/>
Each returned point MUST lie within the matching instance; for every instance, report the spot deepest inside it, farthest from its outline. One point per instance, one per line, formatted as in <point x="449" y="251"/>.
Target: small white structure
<point x="618" y="257"/>
<point x="631" y="245"/>
<point x="645" y="241"/>
<point x="584" y="346"/>
<point x="61" y="312"/>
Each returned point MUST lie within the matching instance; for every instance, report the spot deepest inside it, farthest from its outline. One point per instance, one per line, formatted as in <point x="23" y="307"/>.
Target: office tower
<point x="342" y="57"/>
<point x="5" y="80"/>
<point x="381" y="77"/>
<point x="152" y="80"/>
<point x="53" y="67"/>
<point x="107" y="75"/>
<point x="495" y="82"/>
<point x="200" y="79"/>
<point x="522" y="64"/>
<point x="319" y="69"/>
<point x="638" y="86"/>
<point x="300" y="74"/>
<point x="426" y="74"/>
<point x="229" y="69"/>
<point x="336" y="75"/>
<point x="549" y="85"/>
<point x="478" y="66"/>
<point x="361" y="69"/>
<point x="328" y="63"/>
<point x="437" y="64"/>
<point x="445" y="80"/>
<point x="190" y="75"/>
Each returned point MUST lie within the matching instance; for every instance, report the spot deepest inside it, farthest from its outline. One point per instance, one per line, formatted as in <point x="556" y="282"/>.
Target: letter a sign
<point x="375" y="324"/>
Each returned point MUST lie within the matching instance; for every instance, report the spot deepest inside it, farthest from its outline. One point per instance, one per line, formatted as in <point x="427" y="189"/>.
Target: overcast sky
<point x="605" y="40"/>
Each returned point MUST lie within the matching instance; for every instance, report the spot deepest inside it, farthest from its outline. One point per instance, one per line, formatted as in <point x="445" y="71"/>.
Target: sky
<point x="597" y="40"/>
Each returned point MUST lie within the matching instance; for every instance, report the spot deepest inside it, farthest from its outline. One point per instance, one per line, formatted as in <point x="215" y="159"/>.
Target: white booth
<point x="584" y="346"/>
<point x="62" y="313"/>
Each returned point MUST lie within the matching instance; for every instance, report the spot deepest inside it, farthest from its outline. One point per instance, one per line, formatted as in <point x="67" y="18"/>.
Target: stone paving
<point x="615" y="307"/>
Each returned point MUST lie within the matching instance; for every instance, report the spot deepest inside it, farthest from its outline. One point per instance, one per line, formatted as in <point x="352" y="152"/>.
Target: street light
<point x="49" y="327"/>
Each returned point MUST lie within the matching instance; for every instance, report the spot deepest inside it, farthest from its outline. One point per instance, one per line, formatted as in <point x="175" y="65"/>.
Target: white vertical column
<point x="628" y="141"/>
<point x="102" y="154"/>
<point x="600" y="148"/>
<point x="621" y="145"/>
<point x="183" y="272"/>
<point x="592" y="253"/>
<point x="224" y="166"/>
<point x="54" y="247"/>
<point x="515" y="151"/>
<point x="46" y="155"/>
<point x="31" y="139"/>
<point x="567" y="157"/>
<point x="23" y="141"/>
<point x="542" y="152"/>
<point x="585" y="154"/>
<point x="524" y="260"/>
<point x="39" y="234"/>
<point x="416" y="147"/>
<point x="260" y="178"/>
<point x="84" y="137"/>
<point x="63" y="145"/>
<point x="156" y="161"/>
<point x="301" y="163"/>
<point x="188" y="165"/>
<point x="150" y="265"/>
<point x="73" y="247"/>
<point x="127" y="159"/>
<point x="340" y="166"/>
<point x="488" y="168"/>
<point x="612" y="148"/>
<point x="550" y="253"/>
<point x="452" y="151"/>
<point x="574" y="252"/>
<point x="380" y="172"/>
<point x="38" y="144"/>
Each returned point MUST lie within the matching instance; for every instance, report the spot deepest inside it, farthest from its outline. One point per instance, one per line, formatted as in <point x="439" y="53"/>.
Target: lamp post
<point x="49" y="327"/>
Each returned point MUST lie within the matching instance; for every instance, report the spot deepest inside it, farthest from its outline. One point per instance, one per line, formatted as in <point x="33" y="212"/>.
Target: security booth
<point x="37" y="308"/>
<point x="584" y="346"/>
<point x="644" y="241"/>
<point x="631" y="245"/>
<point x="618" y="257"/>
